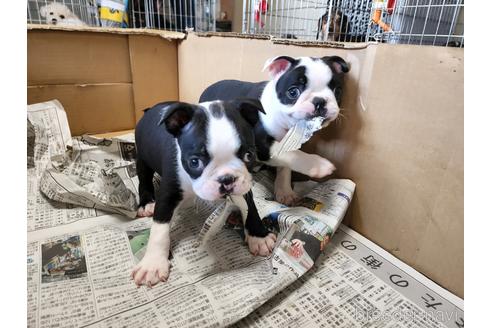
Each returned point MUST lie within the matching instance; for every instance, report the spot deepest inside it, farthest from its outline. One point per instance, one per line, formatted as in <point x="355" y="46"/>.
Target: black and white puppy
<point x="204" y="150"/>
<point x="300" y="88"/>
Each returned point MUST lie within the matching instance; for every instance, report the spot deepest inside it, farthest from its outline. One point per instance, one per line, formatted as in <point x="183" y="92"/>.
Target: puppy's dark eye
<point x="51" y="13"/>
<point x="62" y="16"/>
<point x="248" y="157"/>
<point x="293" y="93"/>
<point x="195" y="163"/>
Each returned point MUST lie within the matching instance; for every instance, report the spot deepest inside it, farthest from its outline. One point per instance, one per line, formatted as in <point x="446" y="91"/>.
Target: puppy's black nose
<point x="54" y="20"/>
<point x="226" y="181"/>
<point x="319" y="106"/>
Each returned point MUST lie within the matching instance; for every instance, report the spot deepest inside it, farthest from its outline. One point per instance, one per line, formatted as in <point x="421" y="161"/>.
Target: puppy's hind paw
<point x="261" y="246"/>
<point x="145" y="211"/>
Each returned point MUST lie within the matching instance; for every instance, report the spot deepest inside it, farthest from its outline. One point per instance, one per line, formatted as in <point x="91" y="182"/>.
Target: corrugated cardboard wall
<point x="103" y="80"/>
<point x="400" y="140"/>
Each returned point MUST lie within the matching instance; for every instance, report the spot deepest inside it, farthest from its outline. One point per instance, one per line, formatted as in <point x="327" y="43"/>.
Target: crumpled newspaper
<point x="297" y="136"/>
<point x="217" y="219"/>
<point x="94" y="173"/>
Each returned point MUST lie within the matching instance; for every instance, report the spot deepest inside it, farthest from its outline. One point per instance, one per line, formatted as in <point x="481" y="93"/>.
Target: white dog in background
<point x="59" y="14"/>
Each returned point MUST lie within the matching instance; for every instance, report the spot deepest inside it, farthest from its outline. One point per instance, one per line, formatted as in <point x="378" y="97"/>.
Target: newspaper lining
<point x="357" y="284"/>
<point x="78" y="270"/>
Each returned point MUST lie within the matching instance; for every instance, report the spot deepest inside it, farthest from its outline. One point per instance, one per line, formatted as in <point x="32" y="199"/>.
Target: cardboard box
<point x="400" y="140"/>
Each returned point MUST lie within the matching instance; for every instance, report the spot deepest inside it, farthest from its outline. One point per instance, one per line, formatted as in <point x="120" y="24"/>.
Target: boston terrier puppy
<point x="300" y="88"/>
<point x="207" y="150"/>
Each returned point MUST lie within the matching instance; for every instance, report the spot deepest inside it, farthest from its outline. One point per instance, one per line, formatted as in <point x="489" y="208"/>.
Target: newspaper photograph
<point x="78" y="269"/>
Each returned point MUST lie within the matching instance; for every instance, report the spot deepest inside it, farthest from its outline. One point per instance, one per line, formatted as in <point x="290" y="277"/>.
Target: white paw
<point x="321" y="167"/>
<point x="151" y="270"/>
<point x="286" y="197"/>
<point x="261" y="246"/>
<point x="148" y="210"/>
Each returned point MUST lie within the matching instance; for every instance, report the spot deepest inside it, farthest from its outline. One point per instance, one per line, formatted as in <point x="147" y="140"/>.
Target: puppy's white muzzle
<point x="222" y="183"/>
<point x="310" y="108"/>
<point x="332" y="111"/>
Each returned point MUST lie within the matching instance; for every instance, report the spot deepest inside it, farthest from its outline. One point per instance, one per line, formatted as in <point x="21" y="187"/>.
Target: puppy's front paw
<point x="286" y="197"/>
<point x="261" y="246"/>
<point x="145" y="211"/>
<point x="321" y="167"/>
<point x="151" y="270"/>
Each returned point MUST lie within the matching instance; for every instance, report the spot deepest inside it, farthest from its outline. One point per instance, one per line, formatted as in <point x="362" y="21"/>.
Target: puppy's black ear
<point x="249" y="108"/>
<point x="278" y="65"/>
<point x="337" y="64"/>
<point x="175" y="116"/>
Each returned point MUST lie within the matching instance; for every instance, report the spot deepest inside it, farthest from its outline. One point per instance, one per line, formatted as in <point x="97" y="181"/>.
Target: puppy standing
<point x="205" y="150"/>
<point x="59" y="14"/>
<point x="300" y="88"/>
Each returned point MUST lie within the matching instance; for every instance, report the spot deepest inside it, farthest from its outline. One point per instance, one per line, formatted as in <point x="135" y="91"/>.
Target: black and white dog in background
<point x="207" y="150"/>
<point x="300" y="88"/>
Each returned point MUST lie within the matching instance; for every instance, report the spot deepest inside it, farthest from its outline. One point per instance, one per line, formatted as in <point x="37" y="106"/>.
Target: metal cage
<point x="175" y="15"/>
<point x="423" y="22"/>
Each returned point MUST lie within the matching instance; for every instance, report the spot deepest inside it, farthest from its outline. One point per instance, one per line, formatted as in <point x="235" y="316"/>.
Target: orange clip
<point x="376" y="19"/>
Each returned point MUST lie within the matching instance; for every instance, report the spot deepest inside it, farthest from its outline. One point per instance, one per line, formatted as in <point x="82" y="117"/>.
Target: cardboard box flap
<point x="57" y="56"/>
<point x="295" y="42"/>
<point x="111" y="103"/>
<point x="233" y="35"/>
<point x="170" y="35"/>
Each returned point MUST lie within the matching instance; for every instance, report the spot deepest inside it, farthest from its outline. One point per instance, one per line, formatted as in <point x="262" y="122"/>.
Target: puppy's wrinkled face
<point x="217" y="149"/>
<point x="309" y="87"/>
<point x="55" y="13"/>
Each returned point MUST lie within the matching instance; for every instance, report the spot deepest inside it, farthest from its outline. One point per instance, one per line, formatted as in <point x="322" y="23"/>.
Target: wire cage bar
<point x="84" y="10"/>
<point x="175" y="15"/>
<point x="421" y="22"/>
